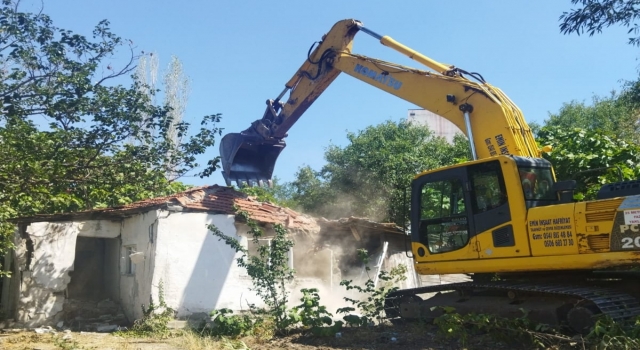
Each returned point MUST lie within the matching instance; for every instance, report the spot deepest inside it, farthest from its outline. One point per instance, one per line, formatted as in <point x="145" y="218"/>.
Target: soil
<point x="412" y="336"/>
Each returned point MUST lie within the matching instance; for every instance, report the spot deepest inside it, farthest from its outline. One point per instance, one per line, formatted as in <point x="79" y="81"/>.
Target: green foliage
<point x="313" y="315"/>
<point x="594" y="15"/>
<point x="372" y="298"/>
<point x="270" y="275"/>
<point x="72" y="138"/>
<point x="225" y="323"/>
<point x="615" y="115"/>
<point x="268" y="269"/>
<point x="277" y="194"/>
<point x="519" y="330"/>
<point x="66" y="344"/>
<point x="607" y="334"/>
<point x="605" y="134"/>
<point x="155" y="319"/>
<point x="369" y="176"/>
<point x="579" y="150"/>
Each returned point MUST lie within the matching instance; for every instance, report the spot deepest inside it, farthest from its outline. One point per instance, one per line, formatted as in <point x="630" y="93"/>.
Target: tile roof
<point x="213" y="199"/>
<point x="224" y="200"/>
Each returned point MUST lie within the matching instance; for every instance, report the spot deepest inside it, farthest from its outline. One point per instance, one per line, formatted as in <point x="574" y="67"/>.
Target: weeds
<point x="234" y="344"/>
<point x="452" y="325"/>
<point x="608" y="334"/>
<point x="155" y="319"/>
<point x="67" y="344"/>
<point x="225" y="323"/>
<point x="269" y="270"/>
<point x="313" y="316"/>
<point x="270" y="275"/>
<point x="372" y="301"/>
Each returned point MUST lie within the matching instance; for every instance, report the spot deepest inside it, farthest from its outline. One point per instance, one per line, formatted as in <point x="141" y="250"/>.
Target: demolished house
<point x="96" y="269"/>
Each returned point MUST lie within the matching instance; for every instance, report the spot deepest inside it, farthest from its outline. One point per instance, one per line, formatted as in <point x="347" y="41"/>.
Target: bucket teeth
<point x="248" y="159"/>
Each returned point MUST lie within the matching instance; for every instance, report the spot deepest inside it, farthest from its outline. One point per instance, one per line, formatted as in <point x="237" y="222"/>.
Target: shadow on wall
<point x="198" y="268"/>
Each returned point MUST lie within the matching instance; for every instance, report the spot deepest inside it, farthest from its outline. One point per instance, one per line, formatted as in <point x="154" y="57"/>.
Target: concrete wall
<point x="198" y="272"/>
<point x="139" y="233"/>
<point x="44" y="256"/>
<point x="44" y="270"/>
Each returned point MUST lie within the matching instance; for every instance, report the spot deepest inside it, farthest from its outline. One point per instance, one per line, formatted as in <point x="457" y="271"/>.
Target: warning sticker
<point x="632" y="217"/>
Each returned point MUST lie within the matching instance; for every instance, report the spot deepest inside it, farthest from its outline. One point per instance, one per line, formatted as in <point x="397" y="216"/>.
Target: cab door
<point x="493" y="212"/>
<point x="442" y="218"/>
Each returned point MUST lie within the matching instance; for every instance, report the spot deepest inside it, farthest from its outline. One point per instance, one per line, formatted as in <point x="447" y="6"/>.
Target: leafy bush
<point x="371" y="304"/>
<point x="155" y="319"/>
<point x="607" y="334"/>
<point x="314" y="316"/>
<point x="227" y="324"/>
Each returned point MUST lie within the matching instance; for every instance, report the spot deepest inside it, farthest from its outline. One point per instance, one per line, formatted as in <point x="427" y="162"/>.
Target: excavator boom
<point x="503" y="214"/>
<point x="250" y="156"/>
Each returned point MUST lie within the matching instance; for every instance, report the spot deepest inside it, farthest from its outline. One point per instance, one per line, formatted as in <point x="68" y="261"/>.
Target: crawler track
<point x="618" y="305"/>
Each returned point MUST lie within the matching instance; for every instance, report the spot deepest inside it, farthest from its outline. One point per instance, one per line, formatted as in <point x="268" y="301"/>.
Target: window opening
<point x="130" y="267"/>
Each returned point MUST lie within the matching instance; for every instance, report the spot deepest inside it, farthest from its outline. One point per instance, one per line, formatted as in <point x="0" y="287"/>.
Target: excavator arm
<point x="493" y="124"/>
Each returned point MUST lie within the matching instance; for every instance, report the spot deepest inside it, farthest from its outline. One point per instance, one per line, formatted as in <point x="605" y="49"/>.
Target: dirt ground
<point x="397" y="337"/>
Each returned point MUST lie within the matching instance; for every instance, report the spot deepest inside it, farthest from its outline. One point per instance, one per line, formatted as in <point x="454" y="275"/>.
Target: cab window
<point x="443" y="224"/>
<point x="536" y="183"/>
<point x="489" y="191"/>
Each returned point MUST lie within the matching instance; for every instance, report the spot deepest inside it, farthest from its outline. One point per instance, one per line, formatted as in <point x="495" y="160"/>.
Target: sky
<point x="237" y="54"/>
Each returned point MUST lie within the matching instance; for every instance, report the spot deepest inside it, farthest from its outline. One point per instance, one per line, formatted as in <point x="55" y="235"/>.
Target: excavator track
<point x="599" y="300"/>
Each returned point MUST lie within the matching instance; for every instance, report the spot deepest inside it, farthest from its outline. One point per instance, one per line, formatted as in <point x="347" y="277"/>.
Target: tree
<point x="605" y="134"/>
<point x="277" y="194"/>
<point x="176" y="92"/>
<point x="65" y="123"/>
<point x="370" y="175"/>
<point x="577" y="154"/>
<point x="594" y="15"/>
<point x="615" y="116"/>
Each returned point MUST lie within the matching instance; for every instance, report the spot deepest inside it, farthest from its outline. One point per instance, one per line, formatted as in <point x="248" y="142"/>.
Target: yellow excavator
<point x="502" y="218"/>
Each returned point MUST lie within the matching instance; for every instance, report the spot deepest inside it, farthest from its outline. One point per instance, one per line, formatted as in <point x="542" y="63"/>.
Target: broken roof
<point x="211" y="199"/>
<point x="225" y="200"/>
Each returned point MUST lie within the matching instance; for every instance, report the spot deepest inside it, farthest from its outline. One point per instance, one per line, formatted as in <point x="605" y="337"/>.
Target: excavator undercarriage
<point x="573" y="300"/>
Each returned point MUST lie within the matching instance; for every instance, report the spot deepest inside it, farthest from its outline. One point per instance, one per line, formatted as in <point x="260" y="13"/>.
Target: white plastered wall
<point x="198" y="271"/>
<point x="43" y="268"/>
<point x="140" y="234"/>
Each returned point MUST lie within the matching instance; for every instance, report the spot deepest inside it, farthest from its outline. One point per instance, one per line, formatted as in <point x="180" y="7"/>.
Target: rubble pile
<point x="90" y="316"/>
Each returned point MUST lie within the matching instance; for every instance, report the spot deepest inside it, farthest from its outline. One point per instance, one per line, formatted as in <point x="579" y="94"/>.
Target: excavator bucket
<point x="248" y="159"/>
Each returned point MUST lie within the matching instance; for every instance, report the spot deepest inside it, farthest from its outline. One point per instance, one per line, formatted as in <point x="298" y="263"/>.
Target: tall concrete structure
<point x="439" y="125"/>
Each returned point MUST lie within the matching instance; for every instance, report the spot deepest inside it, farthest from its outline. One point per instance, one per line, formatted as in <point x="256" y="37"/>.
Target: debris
<point x="107" y="328"/>
<point x="107" y="303"/>
<point x="44" y="330"/>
